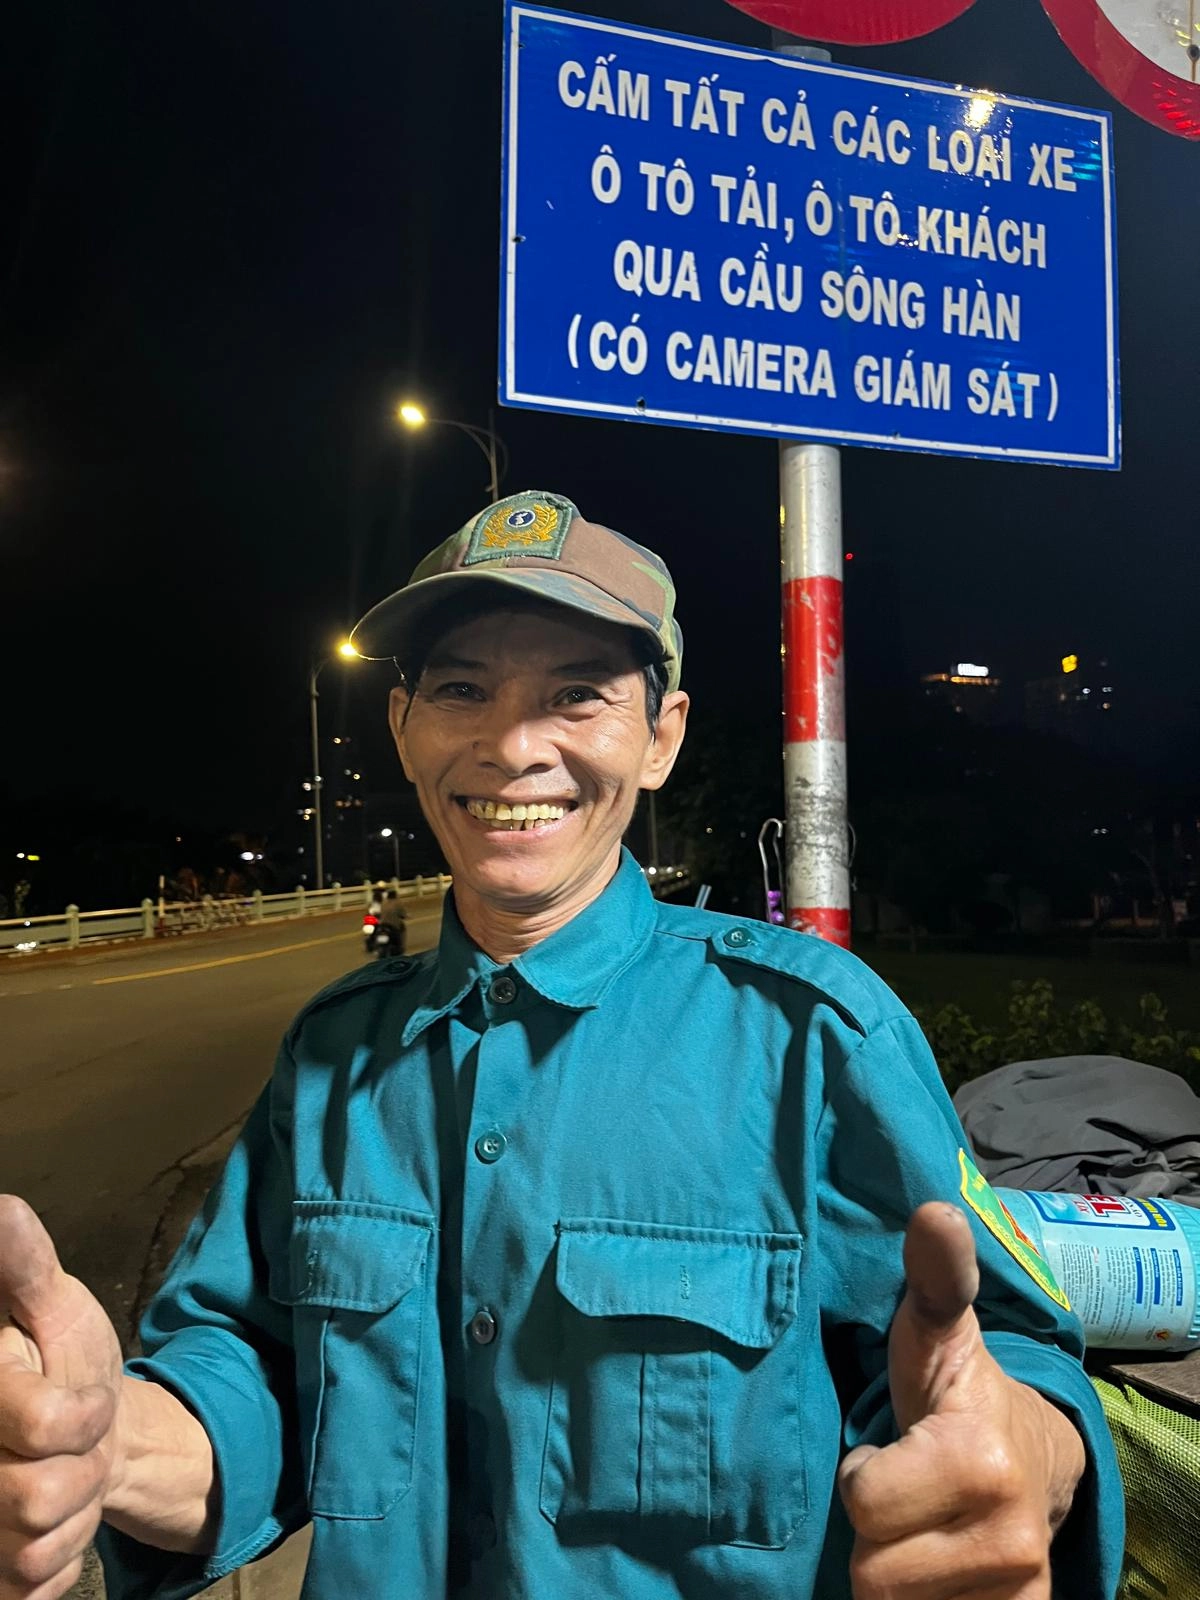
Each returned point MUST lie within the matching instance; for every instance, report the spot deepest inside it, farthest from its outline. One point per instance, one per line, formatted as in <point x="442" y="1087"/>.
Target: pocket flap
<point x="740" y="1284"/>
<point x="356" y="1257"/>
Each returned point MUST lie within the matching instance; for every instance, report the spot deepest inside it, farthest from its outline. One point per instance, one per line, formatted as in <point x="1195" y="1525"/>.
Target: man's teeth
<point x="515" y="817"/>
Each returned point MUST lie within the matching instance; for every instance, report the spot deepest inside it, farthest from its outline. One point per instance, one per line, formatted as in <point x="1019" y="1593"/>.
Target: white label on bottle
<point x="1102" y="1211"/>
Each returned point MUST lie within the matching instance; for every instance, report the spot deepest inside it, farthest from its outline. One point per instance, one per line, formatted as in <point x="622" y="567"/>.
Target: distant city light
<point x="20" y="855"/>
<point x="968" y="669"/>
<point x="1070" y="663"/>
<point x="33" y="858"/>
<point x="385" y="833"/>
<point x="247" y="855"/>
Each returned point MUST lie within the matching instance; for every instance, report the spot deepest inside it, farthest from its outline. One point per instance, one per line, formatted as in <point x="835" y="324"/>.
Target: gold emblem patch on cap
<point x="524" y="524"/>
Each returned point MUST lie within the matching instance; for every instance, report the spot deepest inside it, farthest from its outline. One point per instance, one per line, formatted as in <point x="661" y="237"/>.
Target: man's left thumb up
<point x="935" y="1344"/>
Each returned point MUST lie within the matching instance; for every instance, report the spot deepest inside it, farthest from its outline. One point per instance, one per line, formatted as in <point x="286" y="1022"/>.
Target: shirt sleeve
<point x="887" y="1142"/>
<point x="216" y="1339"/>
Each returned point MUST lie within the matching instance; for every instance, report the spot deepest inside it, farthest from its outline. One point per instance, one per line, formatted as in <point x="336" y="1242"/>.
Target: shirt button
<point x="503" y="990"/>
<point x="483" y="1326"/>
<point x="491" y="1146"/>
<point x="737" y="938"/>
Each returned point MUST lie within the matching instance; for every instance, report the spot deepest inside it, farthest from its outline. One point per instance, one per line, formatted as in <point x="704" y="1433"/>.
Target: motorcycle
<point x="382" y="939"/>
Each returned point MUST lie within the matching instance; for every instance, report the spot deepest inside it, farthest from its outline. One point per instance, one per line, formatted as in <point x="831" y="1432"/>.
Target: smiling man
<point x="612" y="1251"/>
<point x="529" y="733"/>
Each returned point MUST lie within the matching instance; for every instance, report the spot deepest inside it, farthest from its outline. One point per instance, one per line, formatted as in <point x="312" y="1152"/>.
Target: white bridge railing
<point x="155" y="920"/>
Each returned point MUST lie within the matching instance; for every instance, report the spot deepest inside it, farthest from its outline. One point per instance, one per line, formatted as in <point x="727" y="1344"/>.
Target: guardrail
<point x="155" y="920"/>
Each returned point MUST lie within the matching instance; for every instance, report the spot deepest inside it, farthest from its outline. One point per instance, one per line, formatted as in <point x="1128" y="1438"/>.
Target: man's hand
<point x="964" y="1505"/>
<point x="60" y="1379"/>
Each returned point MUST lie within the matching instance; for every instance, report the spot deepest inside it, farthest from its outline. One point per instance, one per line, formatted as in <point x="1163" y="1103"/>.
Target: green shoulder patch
<point x="1000" y="1223"/>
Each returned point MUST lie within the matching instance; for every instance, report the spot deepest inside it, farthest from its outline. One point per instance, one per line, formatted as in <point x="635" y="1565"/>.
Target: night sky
<point x="233" y="236"/>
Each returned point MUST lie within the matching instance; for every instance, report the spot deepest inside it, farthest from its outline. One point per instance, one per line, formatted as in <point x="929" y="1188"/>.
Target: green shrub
<point x="1038" y="1026"/>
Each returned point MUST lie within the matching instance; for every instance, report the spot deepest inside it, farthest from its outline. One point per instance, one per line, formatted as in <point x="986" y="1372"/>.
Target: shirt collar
<point x="575" y="967"/>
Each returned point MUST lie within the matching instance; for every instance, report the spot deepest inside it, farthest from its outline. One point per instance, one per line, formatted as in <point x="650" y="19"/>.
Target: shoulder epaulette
<point x="395" y="969"/>
<point x="841" y="979"/>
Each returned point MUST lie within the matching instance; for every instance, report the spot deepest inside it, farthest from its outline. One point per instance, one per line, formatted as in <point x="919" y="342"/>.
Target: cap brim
<point x="387" y="627"/>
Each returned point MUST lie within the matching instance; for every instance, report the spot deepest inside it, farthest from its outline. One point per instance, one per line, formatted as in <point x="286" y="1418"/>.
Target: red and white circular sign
<point x="855" y="21"/>
<point x="1146" y="53"/>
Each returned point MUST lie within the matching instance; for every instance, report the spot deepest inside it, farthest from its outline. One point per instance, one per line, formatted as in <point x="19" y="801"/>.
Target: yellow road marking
<point x="224" y="961"/>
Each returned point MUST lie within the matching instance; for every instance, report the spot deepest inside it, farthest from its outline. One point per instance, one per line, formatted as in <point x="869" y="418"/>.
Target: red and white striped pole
<point x="817" y="836"/>
<point x="814" y="691"/>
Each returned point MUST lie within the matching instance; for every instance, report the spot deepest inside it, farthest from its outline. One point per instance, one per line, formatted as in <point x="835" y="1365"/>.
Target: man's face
<point x="536" y="709"/>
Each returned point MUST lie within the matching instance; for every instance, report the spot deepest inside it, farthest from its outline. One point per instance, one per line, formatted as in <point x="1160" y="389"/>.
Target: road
<point x="125" y="1074"/>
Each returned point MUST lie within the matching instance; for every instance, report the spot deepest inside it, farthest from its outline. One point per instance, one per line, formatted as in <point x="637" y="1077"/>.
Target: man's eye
<point x="579" y="694"/>
<point x="458" y="691"/>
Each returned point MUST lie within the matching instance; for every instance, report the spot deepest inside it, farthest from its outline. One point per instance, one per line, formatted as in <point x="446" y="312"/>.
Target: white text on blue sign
<point x="706" y="235"/>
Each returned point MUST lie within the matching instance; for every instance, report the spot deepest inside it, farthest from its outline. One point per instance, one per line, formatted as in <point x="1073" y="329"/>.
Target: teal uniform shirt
<point x="572" y="1279"/>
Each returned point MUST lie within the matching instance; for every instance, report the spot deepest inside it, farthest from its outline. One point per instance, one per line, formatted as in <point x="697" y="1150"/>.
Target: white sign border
<point x="511" y="395"/>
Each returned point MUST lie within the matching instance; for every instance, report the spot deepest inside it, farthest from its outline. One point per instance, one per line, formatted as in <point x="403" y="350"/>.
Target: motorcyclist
<point x="391" y="934"/>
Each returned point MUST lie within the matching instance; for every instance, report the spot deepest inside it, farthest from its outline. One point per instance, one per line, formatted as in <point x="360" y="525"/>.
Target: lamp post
<point x="346" y="652"/>
<point x="487" y="439"/>
<point x="390" y="833"/>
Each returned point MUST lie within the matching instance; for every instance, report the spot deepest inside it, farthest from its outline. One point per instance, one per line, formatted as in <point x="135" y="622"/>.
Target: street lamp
<point x="346" y="652"/>
<point x="487" y="439"/>
<point x="389" y="833"/>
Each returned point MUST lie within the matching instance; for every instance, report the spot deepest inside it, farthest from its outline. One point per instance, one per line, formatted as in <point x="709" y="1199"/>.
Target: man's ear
<point x="662" y="752"/>
<point x="398" y="703"/>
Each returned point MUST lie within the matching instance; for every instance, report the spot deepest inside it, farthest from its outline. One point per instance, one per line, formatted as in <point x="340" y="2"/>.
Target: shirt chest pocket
<point x="675" y="1406"/>
<point x="357" y="1283"/>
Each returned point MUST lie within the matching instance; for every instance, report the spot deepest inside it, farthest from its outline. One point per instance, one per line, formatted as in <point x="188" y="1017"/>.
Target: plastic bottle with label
<point x="1129" y="1267"/>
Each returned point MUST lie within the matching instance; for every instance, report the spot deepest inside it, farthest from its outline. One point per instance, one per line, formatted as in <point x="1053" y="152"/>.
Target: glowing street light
<point x="487" y="439"/>
<point x="390" y="833"/>
<point x="347" y="652"/>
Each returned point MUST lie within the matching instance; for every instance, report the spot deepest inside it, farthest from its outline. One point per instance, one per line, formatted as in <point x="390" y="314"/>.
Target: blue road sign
<point x="711" y="236"/>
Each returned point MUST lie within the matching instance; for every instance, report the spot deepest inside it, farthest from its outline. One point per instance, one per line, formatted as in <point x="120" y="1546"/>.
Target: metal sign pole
<point x="814" y="684"/>
<point x="814" y="691"/>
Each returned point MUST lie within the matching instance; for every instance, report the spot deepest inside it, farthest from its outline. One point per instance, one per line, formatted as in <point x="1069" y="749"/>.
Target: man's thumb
<point x="934" y="1333"/>
<point x="32" y="1283"/>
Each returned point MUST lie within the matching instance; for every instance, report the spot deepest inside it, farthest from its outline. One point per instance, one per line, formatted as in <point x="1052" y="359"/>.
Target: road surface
<point x="125" y="1073"/>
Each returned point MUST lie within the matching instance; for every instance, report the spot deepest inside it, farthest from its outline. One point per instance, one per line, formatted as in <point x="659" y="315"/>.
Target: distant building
<point x="343" y="818"/>
<point x="1077" y="702"/>
<point x="343" y="801"/>
<point x="968" y="689"/>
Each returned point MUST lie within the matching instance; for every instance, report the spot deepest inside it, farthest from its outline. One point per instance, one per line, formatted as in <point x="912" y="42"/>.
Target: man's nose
<point x="515" y="740"/>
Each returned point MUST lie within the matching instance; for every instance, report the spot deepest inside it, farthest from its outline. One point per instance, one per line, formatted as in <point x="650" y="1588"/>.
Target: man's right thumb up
<point x="60" y="1372"/>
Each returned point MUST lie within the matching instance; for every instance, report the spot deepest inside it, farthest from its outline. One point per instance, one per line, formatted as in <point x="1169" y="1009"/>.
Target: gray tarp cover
<point x="1085" y="1125"/>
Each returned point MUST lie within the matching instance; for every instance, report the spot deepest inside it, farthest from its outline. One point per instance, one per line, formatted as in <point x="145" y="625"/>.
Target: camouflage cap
<point x="540" y="545"/>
